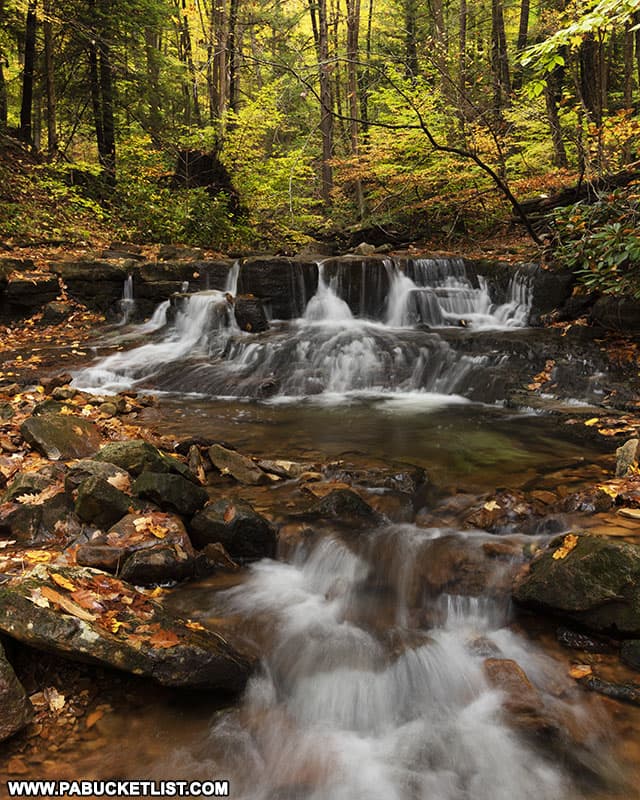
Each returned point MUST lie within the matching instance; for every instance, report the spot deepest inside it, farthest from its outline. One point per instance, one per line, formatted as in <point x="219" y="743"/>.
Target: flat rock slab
<point x="16" y="708"/>
<point x="61" y="436"/>
<point x="240" y="467"/>
<point x="90" y="616"/>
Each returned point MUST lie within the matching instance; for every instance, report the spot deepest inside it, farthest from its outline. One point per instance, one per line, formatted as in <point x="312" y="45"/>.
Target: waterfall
<point x="127" y="303"/>
<point x="325" y="306"/>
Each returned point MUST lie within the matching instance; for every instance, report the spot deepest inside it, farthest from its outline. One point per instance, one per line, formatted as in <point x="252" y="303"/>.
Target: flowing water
<point x="372" y="681"/>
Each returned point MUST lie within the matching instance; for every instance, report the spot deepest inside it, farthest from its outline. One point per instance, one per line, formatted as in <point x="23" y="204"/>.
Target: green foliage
<point x="600" y="242"/>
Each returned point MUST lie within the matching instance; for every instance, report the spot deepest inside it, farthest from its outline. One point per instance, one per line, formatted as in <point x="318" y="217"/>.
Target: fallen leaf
<point x="229" y="513"/>
<point x="194" y="626"/>
<point x="589" y="423"/>
<point x="568" y="543"/>
<point x="491" y="505"/>
<point x="120" y="481"/>
<point x="578" y="671"/>
<point x="164" y="639"/>
<point x="55" y="700"/>
<point x="66" y="604"/>
<point x="63" y="582"/>
<point x="630" y="513"/>
<point x="37" y="599"/>
<point x="93" y="717"/>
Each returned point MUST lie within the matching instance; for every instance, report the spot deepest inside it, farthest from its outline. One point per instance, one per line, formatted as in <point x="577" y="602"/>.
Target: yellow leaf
<point x="568" y="543"/>
<point x="194" y="626"/>
<point x="65" y="583"/>
<point x="491" y="505"/>
<point x="38" y="556"/>
<point x="578" y="671"/>
<point x="610" y="490"/>
<point x="115" y="625"/>
<point x="591" y="422"/>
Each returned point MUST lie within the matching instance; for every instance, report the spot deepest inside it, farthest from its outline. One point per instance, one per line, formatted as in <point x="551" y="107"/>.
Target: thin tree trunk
<point x="353" y="34"/>
<point x="3" y="84"/>
<point x="366" y="77"/>
<point x="499" y="60"/>
<point x="462" y="63"/>
<point x="440" y="44"/>
<point x="628" y="67"/>
<point x="523" y="36"/>
<point x="553" y="92"/>
<point x="410" y="43"/>
<point x="153" y="76"/>
<point x="326" y="102"/>
<point x="96" y="99"/>
<point x="52" y="132"/>
<point x="191" y="92"/>
<point x="26" y="107"/>
<point x="232" y="55"/>
<point x="108" y="155"/>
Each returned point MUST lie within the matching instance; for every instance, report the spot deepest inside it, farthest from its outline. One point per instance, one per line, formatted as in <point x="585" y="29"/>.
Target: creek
<point x="373" y="683"/>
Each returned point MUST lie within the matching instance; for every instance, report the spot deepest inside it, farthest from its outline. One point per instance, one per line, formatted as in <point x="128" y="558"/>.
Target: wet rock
<point x="626" y="458"/>
<point x="576" y="640"/>
<point x="196" y="463"/>
<point x="285" y="283"/>
<point x="89" y="616"/>
<point x="150" y="532"/>
<point x="214" y="558"/>
<point x="58" y="436"/>
<point x="229" y="462"/>
<point x="16" y="708"/>
<point x="108" y="409"/>
<point x="32" y="483"/>
<point x="592" y="500"/>
<point x="396" y="506"/>
<point x="6" y="411"/>
<point x="169" y="251"/>
<point x="162" y="564"/>
<point x="522" y="701"/>
<point x="364" y="249"/>
<point x="48" y="406"/>
<point x="171" y="492"/>
<point x="630" y="653"/>
<point x="627" y="693"/>
<point x="347" y="506"/>
<point x="250" y="315"/>
<point x="283" y="469"/>
<point x="136" y="457"/>
<point x="26" y="294"/>
<point x="97" y="284"/>
<point x="63" y="393"/>
<point x="617" y="313"/>
<point x="56" y="312"/>
<point x="87" y="468"/>
<point x="100" y="503"/>
<point x="590" y="579"/>
<point x="233" y="523"/>
<point x="20" y="522"/>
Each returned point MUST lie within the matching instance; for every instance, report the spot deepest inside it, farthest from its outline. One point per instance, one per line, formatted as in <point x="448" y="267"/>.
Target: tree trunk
<point x="153" y="77"/>
<point x="52" y="133"/>
<point x="232" y="55"/>
<point x="96" y="99"/>
<point x="353" y="34"/>
<point x="440" y="44"/>
<point x="553" y="93"/>
<point x="326" y="101"/>
<point x="366" y="77"/>
<point x="499" y="60"/>
<point x="523" y="36"/>
<point x="628" y="67"/>
<point x="108" y="154"/>
<point x="192" y="101"/>
<point x="462" y="64"/>
<point x="590" y="79"/>
<point x="410" y="40"/>
<point x="26" y="107"/>
<point x="3" y="84"/>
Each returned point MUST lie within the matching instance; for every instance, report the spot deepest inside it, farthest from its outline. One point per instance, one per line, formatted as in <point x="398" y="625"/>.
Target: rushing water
<point x="372" y="682"/>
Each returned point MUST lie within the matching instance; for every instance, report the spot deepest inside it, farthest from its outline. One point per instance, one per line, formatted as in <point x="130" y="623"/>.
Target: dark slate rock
<point x="149" y="641"/>
<point x="250" y="315"/>
<point x="59" y="436"/>
<point x="100" y="503"/>
<point x="595" y="582"/>
<point x="16" y="708"/>
<point x="170" y="492"/>
<point x="237" y="527"/>
<point x="136" y="457"/>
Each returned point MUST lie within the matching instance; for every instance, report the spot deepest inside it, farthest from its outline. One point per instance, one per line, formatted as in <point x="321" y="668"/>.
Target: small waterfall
<point x="345" y="708"/>
<point x="232" y="279"/>
<point x="127" y="303"/>
<point x="325" y="306"/>
<point x="184" y="288"/>
<point x="157" y="320"/>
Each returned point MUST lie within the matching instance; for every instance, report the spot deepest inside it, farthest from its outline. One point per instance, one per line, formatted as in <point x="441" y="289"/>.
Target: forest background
<point x="404" y="120"/>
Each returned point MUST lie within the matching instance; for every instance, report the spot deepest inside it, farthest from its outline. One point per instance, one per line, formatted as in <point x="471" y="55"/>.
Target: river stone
<point x="522" y="701"/>
<point x="33" y="482"/>
<point x="87" y="468"/>
<point x="20" y="521"/>
<point x="137" y="457"/>
<point x="347" y="506"/>
<point x="595" y="581"/>
<point x="170" y="492"/>
<point x="630" y="653"/>
<point x="101" y="503"/>
<point x="250" y="315"/>
<point x="233" y="523"/>
<point x="162" y="564"/>
<point x="152" y="531"/>
<point x="59" y="436"/>
<point x="229" y="462"/>
<point x="626" y="457"/>
<point x="110" y="623"/>
<point x="16" y="708"/>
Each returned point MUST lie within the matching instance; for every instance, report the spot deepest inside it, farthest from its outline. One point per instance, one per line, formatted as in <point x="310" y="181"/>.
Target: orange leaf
<point x="164" y="639"/>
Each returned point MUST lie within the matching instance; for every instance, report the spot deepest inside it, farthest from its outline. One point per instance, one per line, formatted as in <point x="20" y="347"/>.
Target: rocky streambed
<point x="325" y="591"/>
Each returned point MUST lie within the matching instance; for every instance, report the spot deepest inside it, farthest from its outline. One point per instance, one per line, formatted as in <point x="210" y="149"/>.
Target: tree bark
<point x="151" y="49"/>
<point x="52" y="132"/>
<point x="108" y="155"/>
<point x="353" y="34"/>
<point x="499" y="60"/>
<point x="326" y="101"/>
<point x="628" y="67"/>
<point x="232" y="55"/>
<point x="410" y="40"/>
<point x="553" y="93"/>
<point x="523" y="36"/>
<point x="26" y="107"/>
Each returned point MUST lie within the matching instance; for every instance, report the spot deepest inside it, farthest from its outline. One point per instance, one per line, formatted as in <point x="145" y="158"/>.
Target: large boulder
<point x="80" y="471"/>
<point x="250" y="314"/>
<point x="136" y="457"/>
<point x="100" y="503"/>
<point x="347" y="507"/>
<point x="172" y="492"/>
<point x="16" y="708"/>
<point x="590" y="579"/>
<point x="61" y="436"/>
<point x="285" y="284"/>
<point x="93" y="617"/>
<point x="234" y="524"/>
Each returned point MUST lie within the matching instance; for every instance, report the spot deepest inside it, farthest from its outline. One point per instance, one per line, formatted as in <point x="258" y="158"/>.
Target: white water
<point x="128" y="303"/>
<point x="328" y="351"/>
<point x="344" y="710"/>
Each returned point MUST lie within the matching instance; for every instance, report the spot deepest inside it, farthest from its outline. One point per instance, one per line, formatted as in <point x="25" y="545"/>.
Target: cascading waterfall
<point x="127" y="303"/>
<point x="402" y="712"/>
<point x="329" y="351"/>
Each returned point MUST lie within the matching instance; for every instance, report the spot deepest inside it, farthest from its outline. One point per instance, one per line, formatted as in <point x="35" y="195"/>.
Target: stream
<point x="371" y="685"/>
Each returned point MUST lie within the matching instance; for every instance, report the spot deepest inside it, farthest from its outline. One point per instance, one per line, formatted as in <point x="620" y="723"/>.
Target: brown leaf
<point x="66" y="604"/>
<point x="229" y="513"/>
<point x="93" y="717"/>
<point x="164" y="639"/>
